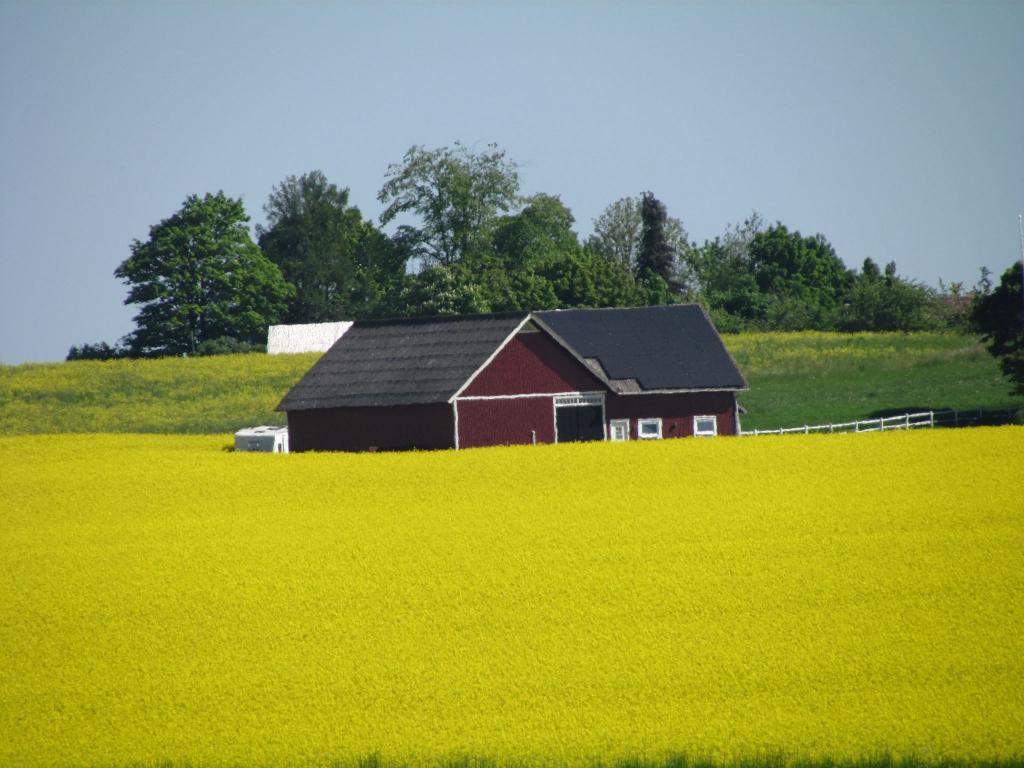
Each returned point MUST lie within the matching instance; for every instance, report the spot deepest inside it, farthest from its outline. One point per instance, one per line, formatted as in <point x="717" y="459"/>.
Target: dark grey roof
<point x="401" y="362"/>
<point x="648" y="348"/>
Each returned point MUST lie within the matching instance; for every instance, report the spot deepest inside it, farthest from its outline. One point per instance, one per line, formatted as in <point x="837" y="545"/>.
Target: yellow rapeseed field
<point x="197" y="395"/>
<point x="823" y="596"/>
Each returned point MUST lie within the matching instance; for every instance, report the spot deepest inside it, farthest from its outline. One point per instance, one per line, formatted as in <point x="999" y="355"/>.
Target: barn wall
<point x="397" y="427"/>
<point x="675" y="411"/>
<point x="530" y="364"/>
<point x="506" y="421"/>
<point x="533" y="363"/>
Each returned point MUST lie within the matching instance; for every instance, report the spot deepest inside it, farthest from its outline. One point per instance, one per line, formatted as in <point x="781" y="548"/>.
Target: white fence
<point x="924" y="419"/>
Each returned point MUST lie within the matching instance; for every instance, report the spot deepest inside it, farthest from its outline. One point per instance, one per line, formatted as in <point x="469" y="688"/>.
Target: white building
<point x="310" y="337"/>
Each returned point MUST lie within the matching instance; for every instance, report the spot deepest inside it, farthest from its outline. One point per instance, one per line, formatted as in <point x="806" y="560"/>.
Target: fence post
<point x="906" y="421"/>
<point x="931" y="419"/>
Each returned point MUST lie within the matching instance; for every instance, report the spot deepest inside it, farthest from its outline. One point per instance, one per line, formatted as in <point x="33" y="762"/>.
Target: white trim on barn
<point x="532" y="394"/>
<point x="681" y="391"/>
<point x="489" y="360"/>
<point x="307" y="337"/>
<point x="455" y="419"/>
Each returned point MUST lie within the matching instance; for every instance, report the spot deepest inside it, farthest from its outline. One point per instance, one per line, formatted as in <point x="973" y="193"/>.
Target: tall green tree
<point x="886" y="302"/>
<point x="524" y="246"/>
<point x="724" y="278"/>
<point x="456" y="193"/>
<point x="340" y="265"/>
<point x="539" y="264"/>
<point x="656" y="255"/>
<point x="443" y="290"/>
<point x="999" y="317"/>
<point x="619" y="233"/>
<point x="541" y="231"/>
<point x="588" y="278"/>
<point x="200" y="277"/>
<point x="802" y="277"/>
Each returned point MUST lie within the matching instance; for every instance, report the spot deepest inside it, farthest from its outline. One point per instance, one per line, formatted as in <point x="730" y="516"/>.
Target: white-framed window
<point x="705" y="426"/>
<point x="619" y="430"/>
<point x="648" y="429"/>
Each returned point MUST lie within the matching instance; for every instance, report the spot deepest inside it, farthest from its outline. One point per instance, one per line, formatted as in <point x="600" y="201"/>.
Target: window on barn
<point x="649" y="429"/>
<point x="705" y="426"/>
<point x="619" y="430"/>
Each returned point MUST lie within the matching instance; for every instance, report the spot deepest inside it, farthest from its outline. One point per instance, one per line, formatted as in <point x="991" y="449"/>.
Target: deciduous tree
<point x="877" y="302"/>
<point x="724" y="278"/>
<point x="457" y="195"/>
<point x="340" y="265"/>
<point x="619" y="234"/>
<point x="802" y="277"/>
<point x="199" y="277"/>
<point x="540" y="264"/>
<point x="617" y="231"/>
<point x="526" y="246"/>
<point x="999" y="317"/>
<point x="442" y="290"/>
<point x="542" y="230"/>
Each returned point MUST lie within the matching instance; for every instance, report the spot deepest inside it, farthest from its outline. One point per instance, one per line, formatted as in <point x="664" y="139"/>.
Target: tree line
<point x="464" y="240"/>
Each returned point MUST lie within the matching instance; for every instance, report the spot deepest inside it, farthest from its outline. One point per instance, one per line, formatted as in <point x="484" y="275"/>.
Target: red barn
<point x="517" y="378"/>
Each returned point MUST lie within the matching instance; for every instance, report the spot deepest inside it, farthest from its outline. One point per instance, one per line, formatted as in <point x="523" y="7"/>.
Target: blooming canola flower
<point x="816" y="596"/>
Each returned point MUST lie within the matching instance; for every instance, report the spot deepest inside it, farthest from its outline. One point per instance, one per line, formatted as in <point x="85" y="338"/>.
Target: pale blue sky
<point x="895" y="129"/>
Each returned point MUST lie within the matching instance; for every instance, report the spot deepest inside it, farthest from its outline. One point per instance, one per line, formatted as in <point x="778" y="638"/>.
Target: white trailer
<point x="262" y="439"/>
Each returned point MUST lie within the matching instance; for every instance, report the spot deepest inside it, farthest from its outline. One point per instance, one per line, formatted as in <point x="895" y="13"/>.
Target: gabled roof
<point x="401" y="362"/>
<point x="645" y="349"/>
<point x="431" y="360"/>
